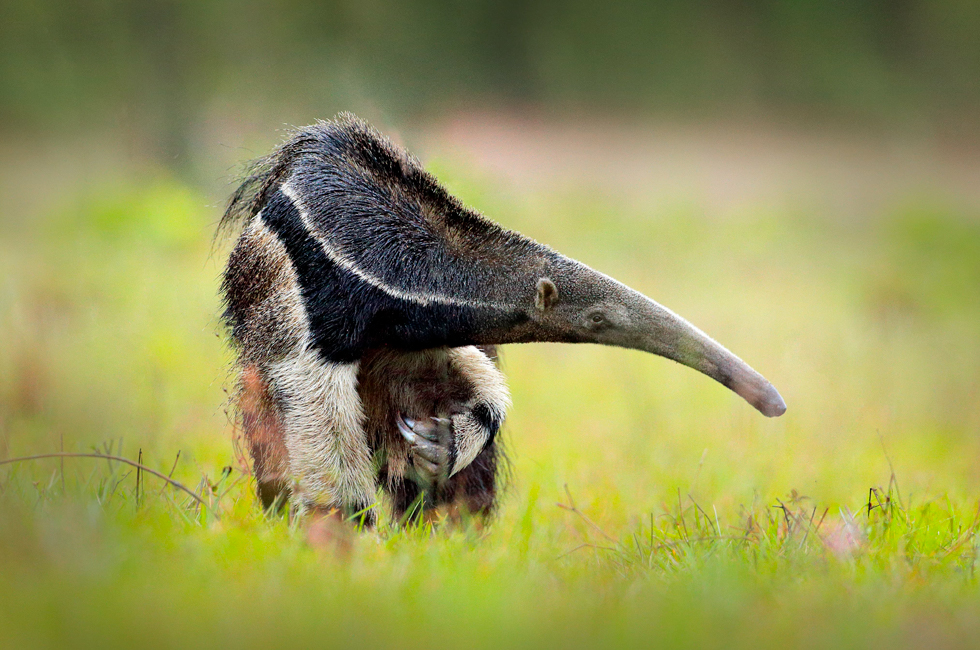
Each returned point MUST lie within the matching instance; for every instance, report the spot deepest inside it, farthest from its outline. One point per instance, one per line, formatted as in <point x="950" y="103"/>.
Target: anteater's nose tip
<point x="762" y="395"/>
<point x="772" y="405"/>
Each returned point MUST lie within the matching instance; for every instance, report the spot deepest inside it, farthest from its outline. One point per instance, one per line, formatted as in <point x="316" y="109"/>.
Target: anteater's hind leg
<point x="329" y="458"/>
<point x="305" y="438"/>
<point x="304" y="434"/>
<point x="264" y="434"/>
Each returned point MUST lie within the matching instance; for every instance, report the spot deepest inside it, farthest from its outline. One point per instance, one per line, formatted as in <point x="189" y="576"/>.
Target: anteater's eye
<point x="597" y="319"/>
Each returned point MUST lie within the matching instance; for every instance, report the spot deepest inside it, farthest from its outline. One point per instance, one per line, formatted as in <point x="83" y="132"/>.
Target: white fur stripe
<point x="344" y="262"/>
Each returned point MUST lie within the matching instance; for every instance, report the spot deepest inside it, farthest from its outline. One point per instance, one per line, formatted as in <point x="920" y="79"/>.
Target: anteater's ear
<point x="547" y="295"/>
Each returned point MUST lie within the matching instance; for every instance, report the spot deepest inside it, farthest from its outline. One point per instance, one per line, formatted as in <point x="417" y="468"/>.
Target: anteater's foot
<point x="328" y="530"/>
<point x="430" y="440"/>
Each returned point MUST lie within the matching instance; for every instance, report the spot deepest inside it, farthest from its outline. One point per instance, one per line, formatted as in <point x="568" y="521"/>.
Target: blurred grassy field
<point x="695" y="521"/>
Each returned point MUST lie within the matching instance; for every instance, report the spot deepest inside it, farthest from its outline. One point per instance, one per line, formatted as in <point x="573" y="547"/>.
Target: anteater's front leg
<point x="431" y="415"/>
<point x="431" y="449"/>
<point x="442" y="445"/>
<point x="438" y="474"/>
<point x="323" y="422"/>
<point x="453" y="451"/>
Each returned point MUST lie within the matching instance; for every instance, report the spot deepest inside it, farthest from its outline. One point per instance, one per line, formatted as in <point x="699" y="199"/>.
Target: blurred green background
<point x="163" y="70"/>
<point x="799" y="179"/>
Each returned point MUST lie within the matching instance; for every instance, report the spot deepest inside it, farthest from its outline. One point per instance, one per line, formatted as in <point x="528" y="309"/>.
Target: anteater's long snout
<point x="664" y="333"/>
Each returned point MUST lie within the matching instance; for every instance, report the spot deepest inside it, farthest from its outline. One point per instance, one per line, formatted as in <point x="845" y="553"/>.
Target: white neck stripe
<point x="338" y="258"/>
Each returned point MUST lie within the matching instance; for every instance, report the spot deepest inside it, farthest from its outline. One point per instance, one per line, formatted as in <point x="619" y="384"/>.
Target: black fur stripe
<point x="490" y="419"/>
<point x="348" y="316"/>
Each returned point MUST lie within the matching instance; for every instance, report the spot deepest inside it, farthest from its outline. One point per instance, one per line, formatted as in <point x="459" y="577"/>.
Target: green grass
<point x="648" y="506"/>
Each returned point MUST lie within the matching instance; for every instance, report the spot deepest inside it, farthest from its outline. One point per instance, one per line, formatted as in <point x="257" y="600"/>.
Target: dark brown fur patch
<point x="256" y="289"/>
<point x="264" y="434"/>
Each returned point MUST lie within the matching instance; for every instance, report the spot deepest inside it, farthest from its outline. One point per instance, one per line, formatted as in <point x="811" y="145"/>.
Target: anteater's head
<point x="577" y="304"/>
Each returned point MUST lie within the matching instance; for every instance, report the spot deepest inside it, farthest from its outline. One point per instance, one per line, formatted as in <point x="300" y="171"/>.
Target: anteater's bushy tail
<point x="263" y="174"/>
